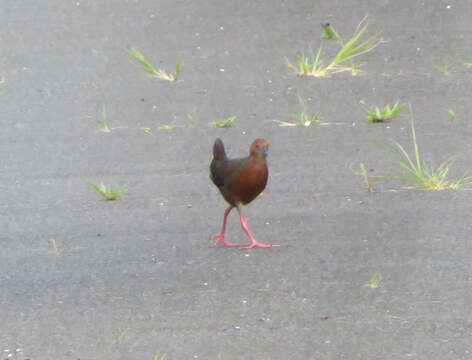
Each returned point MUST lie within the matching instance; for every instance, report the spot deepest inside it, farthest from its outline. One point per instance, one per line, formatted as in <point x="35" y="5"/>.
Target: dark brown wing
<point x="223" y="173"/>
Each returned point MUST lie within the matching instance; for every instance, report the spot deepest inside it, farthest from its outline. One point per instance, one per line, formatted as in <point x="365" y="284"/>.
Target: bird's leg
<point x="254" y="242"/>
<point x="221" y="235"/>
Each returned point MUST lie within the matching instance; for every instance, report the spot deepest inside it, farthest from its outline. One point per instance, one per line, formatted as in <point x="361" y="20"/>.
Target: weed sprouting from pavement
<point x="330" y="33"/>
<point x="375" y="281"/>
<point x="149" y="68"/>
<point x="308" y="66"/>
<point x="55" y="249"/>
<point x="103" y="121"/>
<point x="175" y="75"/>
<point x="169" y="126"/>
<point x="172" y="125"/>
<point x="146" y="130"/>
<point x="224" y="123"/>
<point x="375" y="114"/>
<point x="146" y="65"/>
<point x="418" y="173"/>
<point x="365" y="178"/>
<point x="193" y="119"/>
<point x="159" y="357"/>
<point x="451" y="113"/>
<point x="351" y="49"/>
<point x="119" y="336"/>
<point x="107" y="192"/>
<point x="304" y="117"/>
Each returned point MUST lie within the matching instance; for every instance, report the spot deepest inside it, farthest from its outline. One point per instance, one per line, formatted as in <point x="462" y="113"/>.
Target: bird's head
<point x="259" y="147"/>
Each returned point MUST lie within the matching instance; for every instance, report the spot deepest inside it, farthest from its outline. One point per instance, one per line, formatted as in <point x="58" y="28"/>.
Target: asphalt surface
<point x="83" y="278"/>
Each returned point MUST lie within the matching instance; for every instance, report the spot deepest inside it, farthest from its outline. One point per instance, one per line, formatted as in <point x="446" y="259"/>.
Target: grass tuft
<point x="451" y="113"/>
<point x="304" y="117"/>
<point x="55" y="249"/>
<point x="375" y="114"/>
<point x="308" y="66"/>
<point x="193" y="119"/>
<point x="149" y="68"/>
<point x="353" y="48"/>
<point x="224" y="123"/>
<point x="419" y="174"/>
<point x="103" y="121"/>
<point x="375" y="281"/>
<point x="107" y="192"/>
<point x="146" y="130"/>
<point x="119" y="336"/>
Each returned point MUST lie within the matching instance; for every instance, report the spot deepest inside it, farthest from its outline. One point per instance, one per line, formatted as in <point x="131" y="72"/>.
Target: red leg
<point x="221" y="235"/>
<point x="254" y="242"/>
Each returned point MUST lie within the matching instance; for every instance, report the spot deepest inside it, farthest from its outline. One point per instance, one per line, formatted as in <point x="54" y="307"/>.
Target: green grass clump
<point x="55" y="249"/>
<point x="224" y="123"/>
<point x="349" y="50"/>
<point x="375" y="114"/>
<point x="451" y="113"/>
<point x="375" y="281"/>
<point x="107" y="192"/>
<point x="419" y="174"/>
<point x="103" y="121"/>
<point x="149" y="68"/>
<point x="304" y="117"/>
<point x="308" y="66"/>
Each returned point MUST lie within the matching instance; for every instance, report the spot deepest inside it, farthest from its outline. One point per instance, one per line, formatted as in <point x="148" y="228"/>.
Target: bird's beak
<point x="265" y="151"/>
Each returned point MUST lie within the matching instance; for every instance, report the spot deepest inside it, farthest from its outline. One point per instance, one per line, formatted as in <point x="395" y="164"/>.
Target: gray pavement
<point x="83" y="278"/>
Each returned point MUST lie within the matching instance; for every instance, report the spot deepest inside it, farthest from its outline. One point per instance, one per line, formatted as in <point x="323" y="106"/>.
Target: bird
<point x="240" y="181"/>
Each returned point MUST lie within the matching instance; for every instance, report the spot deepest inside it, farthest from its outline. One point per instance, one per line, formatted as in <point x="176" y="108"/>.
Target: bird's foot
<point x="221" y="239"/>
<point x="259" y="245"/>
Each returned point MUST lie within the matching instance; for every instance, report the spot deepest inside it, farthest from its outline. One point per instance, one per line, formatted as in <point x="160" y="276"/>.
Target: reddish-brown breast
<point x="240" y="180"/>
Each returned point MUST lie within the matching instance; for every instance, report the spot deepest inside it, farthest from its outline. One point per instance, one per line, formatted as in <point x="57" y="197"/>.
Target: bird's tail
<point x="219" y="152"/>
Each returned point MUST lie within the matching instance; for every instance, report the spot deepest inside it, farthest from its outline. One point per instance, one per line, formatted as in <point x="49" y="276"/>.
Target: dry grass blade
<point x="365" y="178"/>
